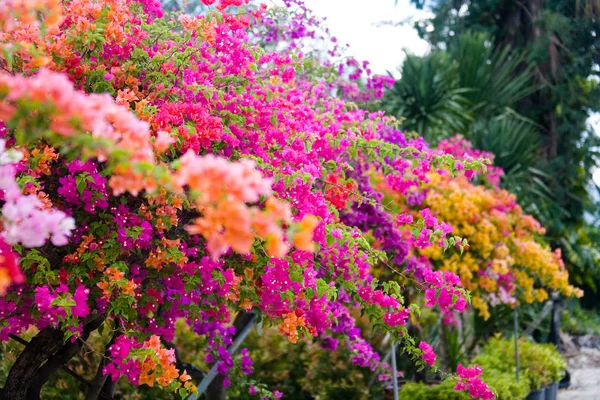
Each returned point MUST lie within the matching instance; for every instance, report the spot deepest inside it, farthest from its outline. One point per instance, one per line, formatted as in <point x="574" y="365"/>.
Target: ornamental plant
<point x="506" y="261"/>
<point x="161" y="168"/>
<point x="540" y="364"/>
<point x="422" y="391"/>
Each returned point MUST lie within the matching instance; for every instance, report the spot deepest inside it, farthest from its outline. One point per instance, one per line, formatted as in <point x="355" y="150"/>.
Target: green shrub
<point x="540" y="364"/>
<point x="554" y="364"/>
<point x="422" y="391"/>
<point x="579" y="321"/>
<point x="505" y="385"/>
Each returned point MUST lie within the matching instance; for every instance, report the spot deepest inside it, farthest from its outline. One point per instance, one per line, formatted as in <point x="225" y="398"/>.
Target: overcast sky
<point x="354" y="22"/>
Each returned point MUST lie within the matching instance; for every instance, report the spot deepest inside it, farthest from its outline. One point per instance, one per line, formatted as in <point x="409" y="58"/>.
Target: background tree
<point x="546" y="89"/>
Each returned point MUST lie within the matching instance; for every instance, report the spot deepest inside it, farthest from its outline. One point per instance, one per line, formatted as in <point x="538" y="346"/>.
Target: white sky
<point x="354" y="22"/>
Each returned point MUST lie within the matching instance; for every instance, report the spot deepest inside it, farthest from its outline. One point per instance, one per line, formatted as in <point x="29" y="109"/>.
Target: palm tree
<point x="428" y="97"/>
<point x="472" y="88"/>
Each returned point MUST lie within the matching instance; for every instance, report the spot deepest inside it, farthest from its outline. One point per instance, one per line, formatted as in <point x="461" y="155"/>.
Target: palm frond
<point x="516" y="145"/>
<point x="428" y="97"/>
<point x="497" y="76"/>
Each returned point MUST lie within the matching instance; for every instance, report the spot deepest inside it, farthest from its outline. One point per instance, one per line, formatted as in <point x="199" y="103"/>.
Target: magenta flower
<point x="428" y="354"/>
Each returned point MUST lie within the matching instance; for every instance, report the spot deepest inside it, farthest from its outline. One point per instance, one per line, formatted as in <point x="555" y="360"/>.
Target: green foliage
<point x="505" y="385"/>
<point x="472" y="88"/>
<point x="455" y="342"/>
<point x="447" y="92"/>
<point x="516" y="145"/>
<point x="305" y="371"/>
<point x="422" y="391"/>
<point x="428" y="97"/>
<point x="576" y="320"/>
<point x="494" y="76"/>
<point x="540" y="364"/>
<point x="581" y="252"/>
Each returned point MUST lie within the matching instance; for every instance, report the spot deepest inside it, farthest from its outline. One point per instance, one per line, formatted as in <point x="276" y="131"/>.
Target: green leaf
<point x="329" y="239"/>
<point x="81" y="182"/>
<point x="322" y="287"/>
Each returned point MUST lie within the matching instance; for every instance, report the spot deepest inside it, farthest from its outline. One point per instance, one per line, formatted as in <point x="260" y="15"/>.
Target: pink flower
<point x="403" y="219"/>
<point x="460" y="304"/>
<point x="398" y="318"/>
<point x="163" y="141"/>
<point x="43" y="298"/>
<point x="452" y="278"/>
<point x="471" y="382"/>
<point x="430" y="220"/>
<point x="468" y="373"/>
<point x="9" y="262"/>
<point x="446" y="228"/>
<point x="445" y="298"/>
<point x="81" y="309"/>
<point x="430" y="297"/>
<point x="428" y="354"/>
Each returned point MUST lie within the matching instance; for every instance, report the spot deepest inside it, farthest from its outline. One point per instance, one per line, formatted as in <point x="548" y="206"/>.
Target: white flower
<point x="8" y="156"/>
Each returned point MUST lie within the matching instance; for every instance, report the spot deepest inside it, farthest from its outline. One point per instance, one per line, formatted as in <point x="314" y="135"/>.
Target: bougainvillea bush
<point x="160" y="168"/>
<point x="507" y="261"/>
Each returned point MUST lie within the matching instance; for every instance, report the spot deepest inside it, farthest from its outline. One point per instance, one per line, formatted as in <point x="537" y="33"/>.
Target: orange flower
<point x="129" y="288"/>
<point x="155" y="259"/>
<point x="289" y="326"/>
<point x="209" y="32"/>
<point x="163" y="142"/>
<point x="125" y="179"/>
<point x="184" y="377"/>
<point x="126" y="96"/>
<point x="303" y="239"/>
<point x="246" y="304"/>
<point x="113" y="274"/>
<point x="276" y="247"/>
<point x="278" y="209"/>
<point x="105" y="292"/>
<point x="5" y="280"/>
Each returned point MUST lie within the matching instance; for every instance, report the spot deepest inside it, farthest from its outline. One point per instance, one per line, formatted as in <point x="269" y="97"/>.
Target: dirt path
<point x="584" y="367"/>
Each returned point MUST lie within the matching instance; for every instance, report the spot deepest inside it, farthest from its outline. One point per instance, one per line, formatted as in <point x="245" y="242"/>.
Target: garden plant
<point x="160" y="168"/>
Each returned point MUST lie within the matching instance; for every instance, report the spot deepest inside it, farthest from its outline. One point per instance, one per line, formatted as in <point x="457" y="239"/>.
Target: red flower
<point x="9" y="267"/>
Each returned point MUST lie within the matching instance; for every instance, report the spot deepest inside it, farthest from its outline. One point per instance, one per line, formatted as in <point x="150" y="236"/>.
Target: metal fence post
<point x="394" y="371"/>
<point x="237" y="342"/>
<point x="516" y="343"/>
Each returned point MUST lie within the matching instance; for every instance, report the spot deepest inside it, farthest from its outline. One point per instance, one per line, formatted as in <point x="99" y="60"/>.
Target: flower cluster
<point x="26" y="220"/>
<point x="10" y="273"/>
<point x="470" y="381"/>
<point x="505" y="261"/>
<point x="428" y="354"/>
<point x="145" y="363"/>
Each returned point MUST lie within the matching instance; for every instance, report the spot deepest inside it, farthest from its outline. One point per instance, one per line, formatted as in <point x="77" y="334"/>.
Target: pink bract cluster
<point x="469" y="380"/>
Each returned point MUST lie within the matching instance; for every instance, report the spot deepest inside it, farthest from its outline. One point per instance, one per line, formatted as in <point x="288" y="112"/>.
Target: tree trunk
<point x="41" y="358"/>
<point x="24" y="370"/>
<point x="101" y="386"/>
